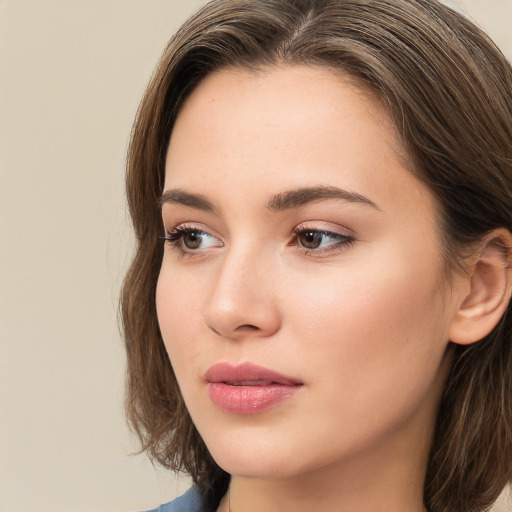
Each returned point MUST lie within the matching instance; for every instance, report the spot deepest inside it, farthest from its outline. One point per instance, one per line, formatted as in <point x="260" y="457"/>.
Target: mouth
<point x="248" y="388"/>
<point x="251" y="383"/>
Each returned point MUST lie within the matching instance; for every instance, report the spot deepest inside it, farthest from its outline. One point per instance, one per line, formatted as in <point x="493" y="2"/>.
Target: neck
<point x="380" y="481"/>
<point x="386" y="475"/>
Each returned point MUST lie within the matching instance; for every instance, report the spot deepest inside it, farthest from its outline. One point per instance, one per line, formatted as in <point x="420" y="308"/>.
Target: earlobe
<point x="490" y="288"/>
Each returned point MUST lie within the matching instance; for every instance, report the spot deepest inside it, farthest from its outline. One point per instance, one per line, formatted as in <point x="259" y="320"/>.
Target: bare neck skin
<point x="389" y="478"/>
<point x="380" y="490"/>
<point x="301" y="297"/>
<point x="388" y="487"/>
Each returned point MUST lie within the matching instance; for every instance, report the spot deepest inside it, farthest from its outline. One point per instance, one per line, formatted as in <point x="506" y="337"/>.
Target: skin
<point x="362" y="321"/>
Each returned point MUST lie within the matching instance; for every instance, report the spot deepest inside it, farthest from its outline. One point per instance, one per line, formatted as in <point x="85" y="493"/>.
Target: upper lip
<point x="248" y="374"/>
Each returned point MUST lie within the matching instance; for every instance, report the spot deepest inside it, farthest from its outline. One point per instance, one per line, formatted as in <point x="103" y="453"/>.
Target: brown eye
<point x="192" y="239"/>
<point x="319" y="241"/>
<point x="188" y="240"/>
<point x="310" y="239"/>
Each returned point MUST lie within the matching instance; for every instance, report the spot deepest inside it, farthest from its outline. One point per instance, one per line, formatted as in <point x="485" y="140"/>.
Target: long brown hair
<point x="449" y="91"/>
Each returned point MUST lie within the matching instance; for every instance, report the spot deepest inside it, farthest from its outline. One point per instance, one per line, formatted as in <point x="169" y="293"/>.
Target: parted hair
<point x="448" y="89"/>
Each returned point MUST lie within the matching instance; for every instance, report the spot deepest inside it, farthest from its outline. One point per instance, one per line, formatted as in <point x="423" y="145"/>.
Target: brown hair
<point x="449" y="91"/>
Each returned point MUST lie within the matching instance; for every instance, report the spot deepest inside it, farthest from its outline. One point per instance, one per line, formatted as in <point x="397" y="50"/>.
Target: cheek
<point x="367" y="298"/>
<point x="179" y="306"/>
<point x="372" y="355"/>
<point x="373" y="332"/>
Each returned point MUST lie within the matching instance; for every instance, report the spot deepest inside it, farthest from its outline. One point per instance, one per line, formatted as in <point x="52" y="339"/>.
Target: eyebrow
<point x="279" y="202"/>
<point x="178" y="196"/>
<point x="304" y="196"/>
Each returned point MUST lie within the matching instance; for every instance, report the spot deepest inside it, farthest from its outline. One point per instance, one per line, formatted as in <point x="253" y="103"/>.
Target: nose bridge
<point x="242" y="297"/>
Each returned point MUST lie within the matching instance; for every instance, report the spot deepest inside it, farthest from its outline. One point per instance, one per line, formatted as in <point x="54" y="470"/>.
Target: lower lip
<point x="249" y="399"/>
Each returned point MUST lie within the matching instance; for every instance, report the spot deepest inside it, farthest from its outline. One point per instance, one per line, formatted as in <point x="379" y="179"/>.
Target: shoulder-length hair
<point x="448" y="89"/>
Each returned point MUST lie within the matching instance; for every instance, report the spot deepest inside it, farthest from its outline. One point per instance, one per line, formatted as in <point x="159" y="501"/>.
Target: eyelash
<point x="342" y="241"/>
<point x="176" y="234"/>
<point x="175" y="237"/>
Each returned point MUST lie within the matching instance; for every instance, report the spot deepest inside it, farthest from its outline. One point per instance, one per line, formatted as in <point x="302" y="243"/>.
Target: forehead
<point x="300" y="91"/>
<point x="281" y="123"/>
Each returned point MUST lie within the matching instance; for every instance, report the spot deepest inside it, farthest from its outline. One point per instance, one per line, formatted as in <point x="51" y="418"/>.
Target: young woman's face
<point x="301" y="298"/>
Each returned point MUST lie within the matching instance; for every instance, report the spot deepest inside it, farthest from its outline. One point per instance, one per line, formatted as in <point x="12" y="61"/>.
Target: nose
<point x="242" y="302"/>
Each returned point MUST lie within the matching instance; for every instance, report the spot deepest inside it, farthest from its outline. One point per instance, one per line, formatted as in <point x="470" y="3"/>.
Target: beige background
<point x="71" y="75"/>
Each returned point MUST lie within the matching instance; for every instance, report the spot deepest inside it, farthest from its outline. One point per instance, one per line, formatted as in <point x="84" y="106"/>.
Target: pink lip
<point x="248" y="388"/>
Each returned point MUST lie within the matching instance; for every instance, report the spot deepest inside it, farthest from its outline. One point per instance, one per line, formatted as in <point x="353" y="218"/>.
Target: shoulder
<point x="188" y="502"/>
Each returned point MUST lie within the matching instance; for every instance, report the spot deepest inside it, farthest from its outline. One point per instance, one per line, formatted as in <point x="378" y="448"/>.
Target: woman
<point x="317" y="315"/>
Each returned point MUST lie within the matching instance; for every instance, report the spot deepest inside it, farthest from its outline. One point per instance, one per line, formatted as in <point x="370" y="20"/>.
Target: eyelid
<point x="191" y="226"/>
<point x="324" y="227"/>
<point x="341" y="237"/>
<point x="174" y="238"/>
<point x="344" y="236"/>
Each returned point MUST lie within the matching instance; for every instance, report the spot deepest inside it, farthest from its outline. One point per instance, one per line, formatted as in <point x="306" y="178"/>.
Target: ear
<point x="489" y="282"/>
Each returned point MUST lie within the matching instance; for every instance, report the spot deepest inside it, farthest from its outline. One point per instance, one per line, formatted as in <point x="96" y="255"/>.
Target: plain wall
<point x="71" y="75"/>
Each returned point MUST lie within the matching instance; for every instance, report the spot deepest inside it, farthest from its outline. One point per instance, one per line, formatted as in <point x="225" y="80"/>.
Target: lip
<point x="248" y="388"/>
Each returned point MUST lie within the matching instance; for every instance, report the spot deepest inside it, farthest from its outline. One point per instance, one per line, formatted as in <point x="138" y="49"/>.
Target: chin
<point x="262" y="467"/>
<point x="255" y="457"/>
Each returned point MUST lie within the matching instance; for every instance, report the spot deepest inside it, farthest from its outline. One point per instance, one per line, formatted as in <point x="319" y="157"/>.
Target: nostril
<point x="247" y="327"/>
<point x="240" y="328"/>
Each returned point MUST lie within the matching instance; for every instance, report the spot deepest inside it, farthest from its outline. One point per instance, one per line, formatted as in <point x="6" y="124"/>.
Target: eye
<point x="190" y="239"/>
<point x="320" y="241"/>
